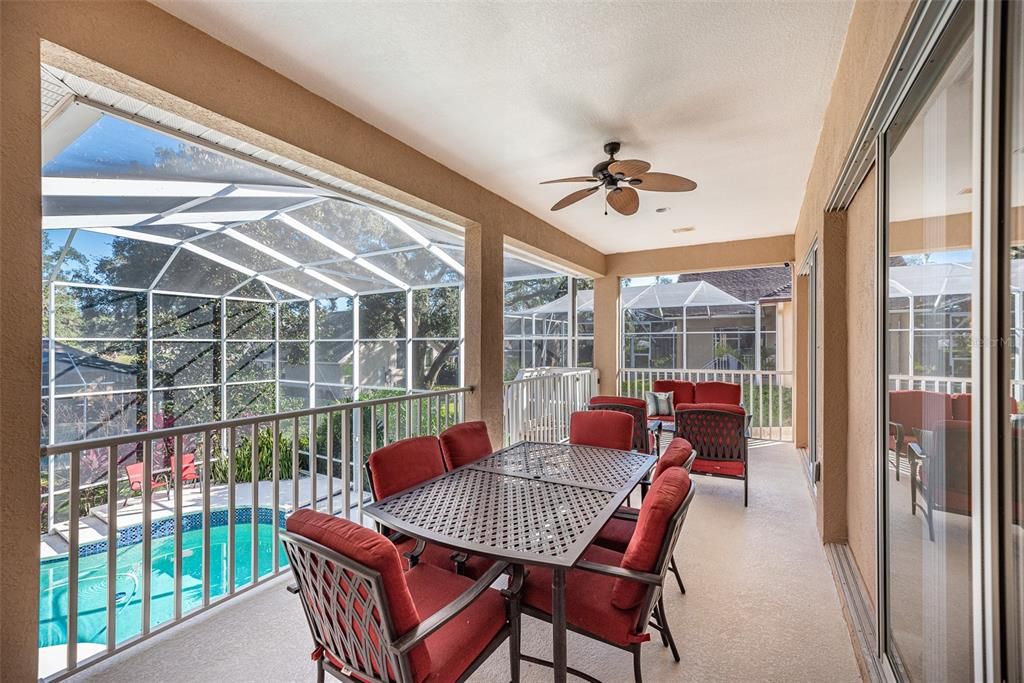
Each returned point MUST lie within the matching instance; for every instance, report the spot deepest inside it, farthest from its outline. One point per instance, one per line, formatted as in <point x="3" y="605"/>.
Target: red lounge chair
<point x="616" y="534"/>
<point x="601" y="428"/>
<point x="718" y="434"/>
<point x="189" y="473"/>
<point x="646" y="433"/>
<point x="465" y="443"/>
<point x="372" y="621"/>
<point x="611" y="597"/>
<point x="403" y="465"/>
<point x="911" y="410"/>
<point x="135" y="481"/>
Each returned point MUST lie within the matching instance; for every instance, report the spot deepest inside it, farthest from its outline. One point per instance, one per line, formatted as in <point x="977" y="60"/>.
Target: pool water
<point x="92" y="582"/>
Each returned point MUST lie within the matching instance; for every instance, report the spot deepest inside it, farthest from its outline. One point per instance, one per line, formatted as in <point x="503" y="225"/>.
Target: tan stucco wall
<point x="144" y="52"/>
<point x="765" y="251"/>
<point x="874" y="29"/>
<point x="861" y="393"/>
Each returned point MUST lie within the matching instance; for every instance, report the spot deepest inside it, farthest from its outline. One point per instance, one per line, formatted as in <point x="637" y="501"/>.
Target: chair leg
<point x="666" y="632"/>
<point x="679" y="579"/>
<point x="661" y="627"/>
<point x="638" y="674"/>
<point x="745" y="489"/>
<point x="515" y="641"/>
<point x="319" y="671"/>
<point x="897" y="464"/>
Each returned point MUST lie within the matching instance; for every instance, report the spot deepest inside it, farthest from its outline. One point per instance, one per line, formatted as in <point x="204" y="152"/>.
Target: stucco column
<point x="484" y="327"/>
<point x="606" y="332"/>
<point x="20" y="358"/>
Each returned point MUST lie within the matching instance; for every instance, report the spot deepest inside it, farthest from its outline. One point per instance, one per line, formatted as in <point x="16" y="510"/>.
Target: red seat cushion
<point x="587" y="603"/>
<point x="455" y="645"/>
<point x="682" y="392"/>
<point x="616" y="533"/>
<point x="405" y="464"/>
<point x="718" y="392"/>
<point x="374" y="551"/>
<point x="663" y="500"/>
<point x="465" y="443"/>
<point x="602" y="428"/>
<point x="728" y="468"/>
<point x="438" y="556"/>
<point x="915" y="409"/>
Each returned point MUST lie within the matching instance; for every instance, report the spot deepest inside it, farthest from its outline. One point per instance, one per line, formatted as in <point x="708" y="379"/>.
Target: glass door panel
<point x="928" y="325"/>
<point x="1014" y="474"/>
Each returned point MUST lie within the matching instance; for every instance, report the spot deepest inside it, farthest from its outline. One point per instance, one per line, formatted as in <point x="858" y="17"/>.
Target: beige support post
<point x="606" y="333"/>
<point x="484" y="327"/>
<point x="20" y="313"/>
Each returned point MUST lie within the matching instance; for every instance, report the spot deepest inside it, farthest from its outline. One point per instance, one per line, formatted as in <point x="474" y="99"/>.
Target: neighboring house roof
<point x="749" y="285"/>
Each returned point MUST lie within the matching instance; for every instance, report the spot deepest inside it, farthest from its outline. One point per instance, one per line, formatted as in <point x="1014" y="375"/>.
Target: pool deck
<point x="93" y="527"/>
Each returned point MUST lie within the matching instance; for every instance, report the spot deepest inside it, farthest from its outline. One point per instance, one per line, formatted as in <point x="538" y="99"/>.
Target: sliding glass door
<point x="930" y="262"/>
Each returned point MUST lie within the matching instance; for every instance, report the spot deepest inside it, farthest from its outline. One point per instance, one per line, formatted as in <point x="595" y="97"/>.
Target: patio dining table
<point x="528" y="504"/>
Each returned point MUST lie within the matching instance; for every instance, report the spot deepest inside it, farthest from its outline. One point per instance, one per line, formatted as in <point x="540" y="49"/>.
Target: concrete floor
<point x="761" y="606"/>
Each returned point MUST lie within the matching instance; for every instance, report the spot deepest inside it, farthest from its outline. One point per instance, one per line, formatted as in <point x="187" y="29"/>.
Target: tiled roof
<point x="749" y="284"/>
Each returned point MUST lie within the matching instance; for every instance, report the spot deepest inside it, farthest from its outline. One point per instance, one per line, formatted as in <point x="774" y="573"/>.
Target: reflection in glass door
<point x="1013" y="472"/>
<point x="930" y="264"/>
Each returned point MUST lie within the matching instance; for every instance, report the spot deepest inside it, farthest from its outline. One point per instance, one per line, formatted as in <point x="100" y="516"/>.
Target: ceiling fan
<point x="619" y="178"/>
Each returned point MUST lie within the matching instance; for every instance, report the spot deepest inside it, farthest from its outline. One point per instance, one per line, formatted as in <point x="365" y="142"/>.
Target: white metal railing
<point x="342" y="437"/>
<point x="945" y="385"/>
<point x="767" y="394"/>
<point x="537" y="407"/>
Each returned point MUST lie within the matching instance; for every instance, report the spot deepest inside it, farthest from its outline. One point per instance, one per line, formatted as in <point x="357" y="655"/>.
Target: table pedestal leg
<point x="558" y="630"/>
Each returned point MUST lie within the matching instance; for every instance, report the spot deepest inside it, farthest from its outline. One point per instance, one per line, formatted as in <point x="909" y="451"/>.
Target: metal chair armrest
<point x="619" y="572"/>
<point x="435" y="621"/>
<point x="918" y="451"/>
<point x="292" y="588"/>
<point x="625" y="514"/>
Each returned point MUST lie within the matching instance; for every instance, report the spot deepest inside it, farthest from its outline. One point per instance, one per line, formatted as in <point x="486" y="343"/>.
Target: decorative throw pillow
<point x="659" y="403"/>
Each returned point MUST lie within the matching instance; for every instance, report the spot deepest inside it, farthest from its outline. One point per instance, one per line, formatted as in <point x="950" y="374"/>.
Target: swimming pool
<point x="92" y="575"/>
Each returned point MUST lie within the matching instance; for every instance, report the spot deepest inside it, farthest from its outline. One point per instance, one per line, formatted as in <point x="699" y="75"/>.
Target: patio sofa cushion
<point x="915" y="409"/>
<point x="454" y="646"/>
<point x="375" y="552"/>
<point x="726" y="468"/>
<point x="405" y="464"/>
<point x="587" y="606"/>
<point x="717" y="392"/>
<point x="682" y="392"/>
<point x="675" y="455"/>
<point x="961" y="406"/>
<point x="465" y="443"/>
<point x="663" y="500"/>
<point x="601" y="428"/>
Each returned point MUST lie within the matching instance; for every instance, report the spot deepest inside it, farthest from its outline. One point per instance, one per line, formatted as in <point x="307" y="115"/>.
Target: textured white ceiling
<point x="509" y="94"/>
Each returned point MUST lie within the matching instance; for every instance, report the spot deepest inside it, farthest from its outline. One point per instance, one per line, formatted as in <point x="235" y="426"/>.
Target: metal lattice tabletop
<point x="602" y="468"/>
<point x="534" y="503"/>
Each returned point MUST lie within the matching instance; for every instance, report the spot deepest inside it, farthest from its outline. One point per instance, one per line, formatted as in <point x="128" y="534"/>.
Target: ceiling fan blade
<point x="629" y="168"/>
<point x="625" y="200"/>
<point x="576" y="179"/>
<point x="662" y="182"/>
<point x="574" y="197"/>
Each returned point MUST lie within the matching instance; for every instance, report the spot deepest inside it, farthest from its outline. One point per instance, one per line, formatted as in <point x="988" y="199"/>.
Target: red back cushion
<point x="602" y="428"/>
<point x="724" y="407"/>
<point x="960" y="404"/>
<point x="682" y="392"/>
<point x="465" y="443"/>
<point x="916" y="409"/>
<point x="663" y="500"/>
<point x="718" y="392"/>
<point x="405" y="464"/>
<point x="674" y="456"/>
<point x="376" y="552"/>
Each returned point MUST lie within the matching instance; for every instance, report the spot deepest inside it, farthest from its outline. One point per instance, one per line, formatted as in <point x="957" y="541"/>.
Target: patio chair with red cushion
<point x="189" y="472"/>
<point x="136" y="473"/>
<point x="403" y="465"/>
<point x="914" y="409"/>
<point x="618" y="531"/>
<point x="646" y="433"/>
<point x="682" y="392"/>
<point x="941" y="469"/>
<point x="465" y="443"/>
<point x="612" y="597"/>
<point x="371" y="620"/>
<point x="718" y="433"/>
<point x="601" y="428"/>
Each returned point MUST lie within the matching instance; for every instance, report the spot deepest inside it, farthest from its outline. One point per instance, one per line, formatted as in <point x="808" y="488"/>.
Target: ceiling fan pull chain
<point x="606" y="201"/>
